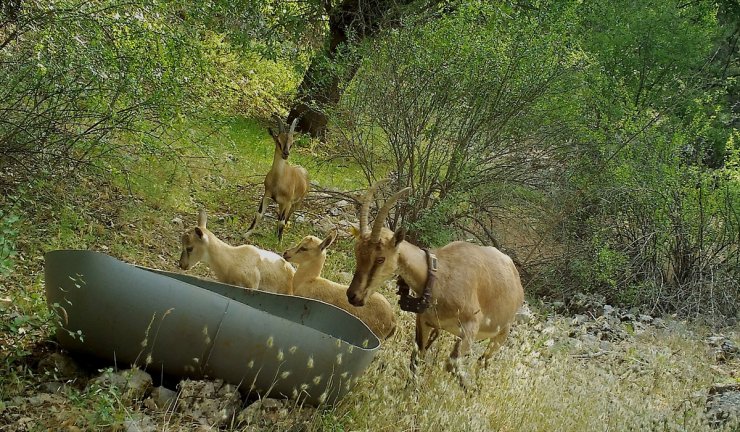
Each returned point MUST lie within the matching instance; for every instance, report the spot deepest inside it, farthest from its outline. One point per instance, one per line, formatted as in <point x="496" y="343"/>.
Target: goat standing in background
<point x="286" y="184"/>
<point x="476" y="295"/>
<point x="310" y="255"/>
<point x="246" y="265"/>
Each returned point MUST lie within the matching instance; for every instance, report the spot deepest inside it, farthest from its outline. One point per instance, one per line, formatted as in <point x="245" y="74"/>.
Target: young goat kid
<point x="245" y="265"/>
<point x="286" y="184"/>
<point x="474" y="292"/>
<point x="310" y="255"/>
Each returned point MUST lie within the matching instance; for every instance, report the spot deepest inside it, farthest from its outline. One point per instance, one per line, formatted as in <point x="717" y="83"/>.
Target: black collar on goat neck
<point x="418" y="304"/>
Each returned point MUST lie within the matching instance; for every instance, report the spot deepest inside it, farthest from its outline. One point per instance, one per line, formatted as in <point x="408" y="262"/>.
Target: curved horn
<point x="292" y="126"/>
<point x="383" y="213"/>
<point x="365" y="209"/>
<point x="281" y="125"/>
<point x="202" y="218"/>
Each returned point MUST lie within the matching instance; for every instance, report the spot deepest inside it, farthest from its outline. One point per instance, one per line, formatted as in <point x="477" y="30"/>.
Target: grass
<point x="540" y="381"/>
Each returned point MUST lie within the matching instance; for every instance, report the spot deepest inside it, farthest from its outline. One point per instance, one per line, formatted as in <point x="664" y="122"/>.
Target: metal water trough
<point x="268" y="344"/>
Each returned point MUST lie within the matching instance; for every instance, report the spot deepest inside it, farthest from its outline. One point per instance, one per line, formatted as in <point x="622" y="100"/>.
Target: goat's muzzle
<point x="182" y="262"/>
<point x="285" y="155"/>
<point x="354" y="299"/>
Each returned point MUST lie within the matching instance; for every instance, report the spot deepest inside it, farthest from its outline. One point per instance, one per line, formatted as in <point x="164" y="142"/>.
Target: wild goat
<point x="475" y="297"/>
<point x="286" y="184"/>
<point x="245" y="265"/>
<point x="310" y="255"/>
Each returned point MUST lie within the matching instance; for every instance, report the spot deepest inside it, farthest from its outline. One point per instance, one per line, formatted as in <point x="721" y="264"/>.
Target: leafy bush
<point x="96" y="83"/>
<point x="461" y="109"/>
<point x="603" y="146"/>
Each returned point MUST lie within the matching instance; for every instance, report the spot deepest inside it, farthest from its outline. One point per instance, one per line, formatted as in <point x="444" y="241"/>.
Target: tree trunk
<point x="320" y="86"/>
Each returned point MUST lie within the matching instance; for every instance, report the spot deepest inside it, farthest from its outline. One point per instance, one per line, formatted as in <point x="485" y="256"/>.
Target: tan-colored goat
<point x="286" y="184"/>
<point x="310" y="255"/>
<point x="476" y="295"/>
<point x="246" y="265"/>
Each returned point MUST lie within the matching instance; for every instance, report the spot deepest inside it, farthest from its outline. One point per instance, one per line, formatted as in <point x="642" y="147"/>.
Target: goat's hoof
<point x="452" y="365"/>
<point x="464" y="380"/>
<point x="482" y="363"/>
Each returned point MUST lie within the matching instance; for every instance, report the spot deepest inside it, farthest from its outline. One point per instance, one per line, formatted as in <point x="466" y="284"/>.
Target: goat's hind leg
<point x="494" y="344"/>
<point x="468" y="331"/>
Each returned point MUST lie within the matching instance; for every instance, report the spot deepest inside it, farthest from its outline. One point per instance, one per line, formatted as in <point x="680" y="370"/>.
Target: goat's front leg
<point x="422" y="342"/>
<point x="260" y="212"/>
<point x="468" y="331"/>
<point x="283" y="213"/>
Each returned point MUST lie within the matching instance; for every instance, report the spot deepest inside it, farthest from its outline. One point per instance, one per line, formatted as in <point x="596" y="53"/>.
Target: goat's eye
<point x="189" y="250"/>
<point x="301" y="249"/>
<point x="380" y="260"/>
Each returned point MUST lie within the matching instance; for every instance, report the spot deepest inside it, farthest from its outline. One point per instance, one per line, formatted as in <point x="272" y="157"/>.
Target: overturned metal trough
<point x="268" y="344"/>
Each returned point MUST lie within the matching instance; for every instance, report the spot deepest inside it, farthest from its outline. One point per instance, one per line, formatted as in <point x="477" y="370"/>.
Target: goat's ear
<point x="199" y="232"/>
<point x="355" y="231"/>
<point x="328" y="240"/>
<point x="275" y="137"/>
<point x="202" y="218"/>
<point x="399" y="236"/>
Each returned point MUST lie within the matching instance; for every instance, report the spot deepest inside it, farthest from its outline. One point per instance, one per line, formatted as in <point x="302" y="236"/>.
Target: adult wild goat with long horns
<point x="468" y="290"/>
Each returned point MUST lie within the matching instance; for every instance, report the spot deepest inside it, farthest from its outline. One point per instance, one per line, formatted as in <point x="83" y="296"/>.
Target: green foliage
<point x="102" y="83"/>
<point x="8" y="235"/>
<point x="648" y="48"/>
<point x="459" y="107"/>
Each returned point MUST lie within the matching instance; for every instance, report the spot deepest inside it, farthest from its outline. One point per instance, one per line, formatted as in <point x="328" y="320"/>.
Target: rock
<point x="163" y="397"/>
<point x="644" y="318"/>
<point x="723" y="404"/>
<point x="580" y="319"/>
<point x="723" y="348"/>
<point x="134" y="384"/>
<point x="728" y="351"/>
<point x="592" y="304"/>
<point x="335" y="211"/>
<point x="342" y="203"/>
<point x="143" y="423"/>
<point x="211" y="403"/>
<point x="558" y="306"/>
<point x="524" y="314"/>
<point x="276" y="414"/>
<point x="177" y="220"/>
<point x="590" y="341"/>
<point x="61" y="366"/>
<point x="52" y="387"/>
<point x="345" y="224"/>
<point x="300" y="219"/>
<point x="324" y="225"/>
